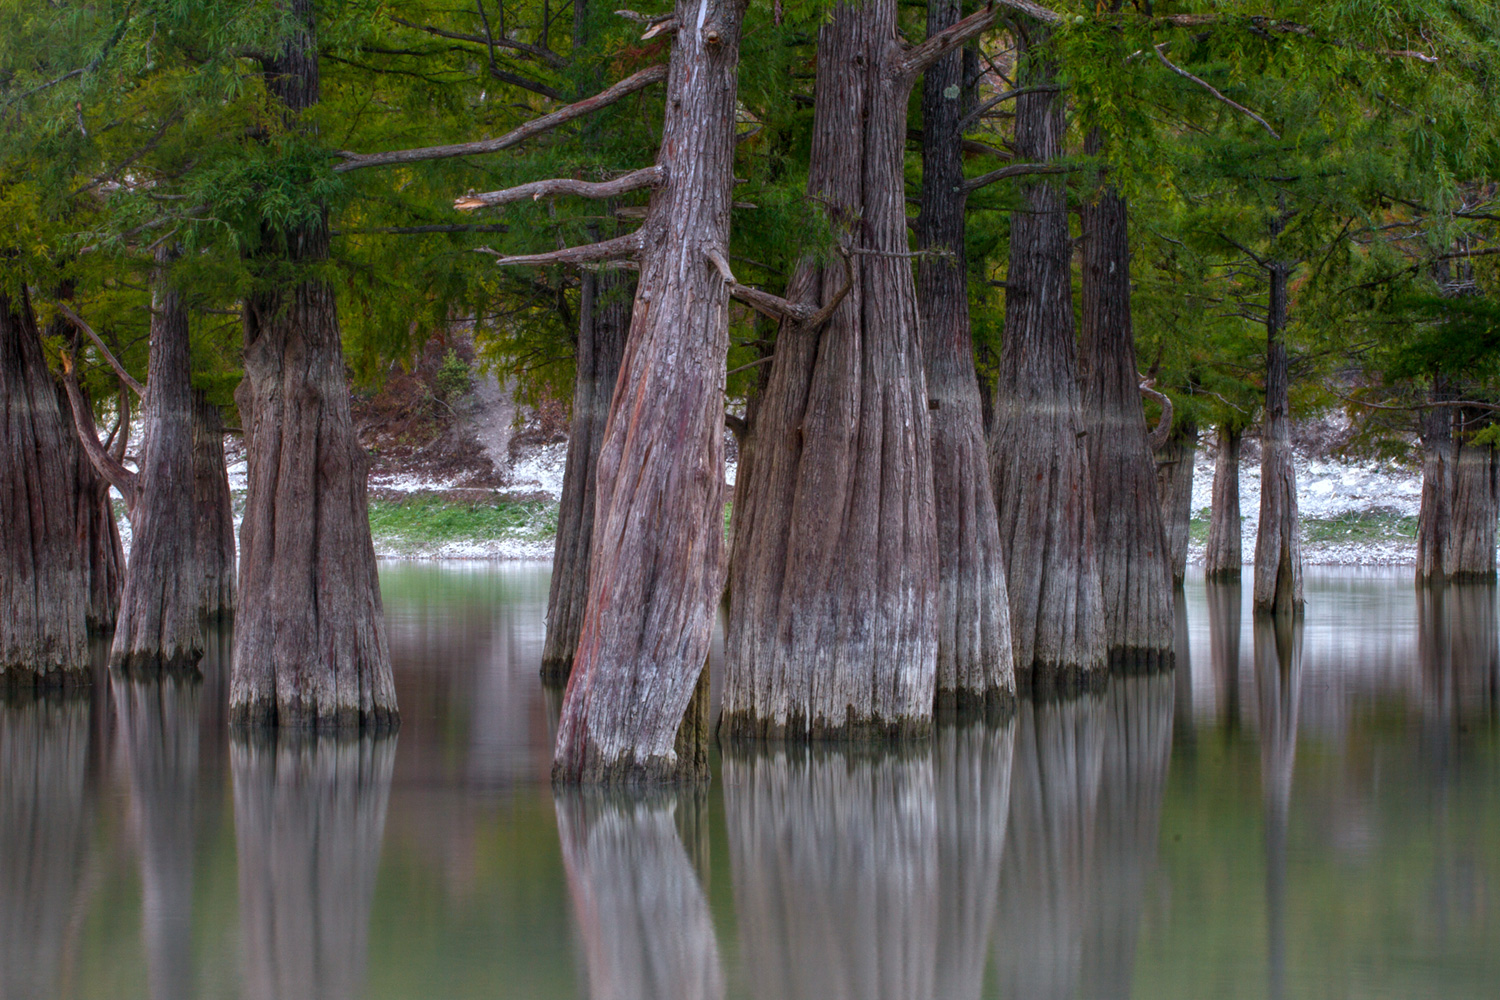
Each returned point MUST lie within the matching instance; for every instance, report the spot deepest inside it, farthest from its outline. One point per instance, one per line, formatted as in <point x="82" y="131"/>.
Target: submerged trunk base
<point x="1060" y="681"/>
<point x="179" y="663"/>
<point x="300" y="713"/>
<point x="1137" y="661"/>
<point x="960" y="705"/>
<point x="747" y="727"/>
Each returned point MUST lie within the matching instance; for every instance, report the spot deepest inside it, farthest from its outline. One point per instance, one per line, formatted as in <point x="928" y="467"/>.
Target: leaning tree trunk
<point x="603" y="323"/>
<point x="1278" y="543"/>
<point x="974" y="663"/>
<point x="1038" y="452"/>
<point x="656" y="562"/>
<point x="310" y="644"/>
<point x="158" y="628"/>
<point x="1471" y="542"/>
<point x="1174" y="485"/>
<point x="1134" y="576"/>
<point x="215" y="511"/>
<point x="833" y="603"/>
<point x="1222" y="560"/>
<point x="44" y="579"/>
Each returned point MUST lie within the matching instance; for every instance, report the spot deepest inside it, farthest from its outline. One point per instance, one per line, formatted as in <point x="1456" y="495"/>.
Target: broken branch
<point x="619" y="248"/>
<point x="635" y="180"/>
<point x="1163" y="430"/>
<point x="1161" y="56"/>
<point x="1014" y="170"/>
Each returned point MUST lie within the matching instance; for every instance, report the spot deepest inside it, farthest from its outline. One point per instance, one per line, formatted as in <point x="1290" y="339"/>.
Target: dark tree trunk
<point x="1435" y="517"/>
<point x="310" y="644"/>
<point x="215" y="511"/>
<point x="1039" y="454"/>
<point x="1278" y="543"/>
<point x="974" y="661"/>
<point x="103" y="554"/>
<point x="1474" y="508"/>
<point x="657" y="553"/>
<point x="1222" y="559"/>
<point x="44" y="548"/>
<point x="158" y="627"/>
<point x="1174" y="484"/>
<point x="603" y="323"/>
<point x="833" y="614"/>
<point x="1134" y="575"/>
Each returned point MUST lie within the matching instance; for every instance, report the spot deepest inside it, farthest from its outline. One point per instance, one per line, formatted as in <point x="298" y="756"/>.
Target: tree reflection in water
<point x="45" y="806"/>
<point x="1224" y="602"/>
<point x="1278" y="684"/>
<point x="642" y="918"/>
<point x="309" y="818"/>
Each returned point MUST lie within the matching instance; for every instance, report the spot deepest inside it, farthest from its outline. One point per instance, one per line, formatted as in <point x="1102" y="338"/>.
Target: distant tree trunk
<point x="1174" y="483"/>
<point x="158" y="628"/>
<point x="1222" y="559"/>
<point x="215" y="507"/>
<point x="310" y="643"/>
<point x="103" y="553"/>
<point x="1435" y="516"/>
<point x="833" y="613"/>
<point x="1134" y="575"/>
<point x="1474" y="508"/>
<point x="1039" y="455"/>
<point x="44" y="564"/>
<point x="975" y="669"/>
<point x="656" y="557"/>
<point x="603" y="324"/>
<point x="1278" y="543"/>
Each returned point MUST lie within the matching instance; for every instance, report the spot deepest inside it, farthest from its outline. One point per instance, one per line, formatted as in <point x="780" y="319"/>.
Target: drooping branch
<point x="919" y="57"/>
<point x="1161" y="56"/>
<point x="125" y="376"/>
<point x="619" y="248"/>
<point x="636" y="81"/>
<point x="536" y="51"/>
<point x="1157" y="439"/>
<point x="1009" y="95"/>
<point x="1014" y="170"/>
<point x="653" y="176"/>
<point x="111" y="468"/>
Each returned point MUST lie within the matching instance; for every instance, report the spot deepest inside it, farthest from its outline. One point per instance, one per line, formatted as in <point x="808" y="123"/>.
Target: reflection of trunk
<point x="1174" y="481"/>
<point x="215" y="520"/>
<point x="44" y="829"/>
<point x="1435" y="518"/>
<point x="1137" y="750"/>
<point x="973" y="799"/>
<point x="158" y="630"/>
<point x="310" y="643"/>
<point x="1278" y="542"/>
<point x="158" y="738"/>
<point x="1044" y="889"/>
<point x="1459" y="653"/>
<point x="1133" y="570"/>
<point x="835" y="864"/>
<point x="974" y="666"/>
<point x="1184" y="730"/>
<point x="656" y="556"/>
<point x="834" y="600"/>
<point x="1471" y="544"/>
<point x="1278" y="681"/>
<point x="1224" y="603"/>
<point x="1038" y="451"/>
<point x="603" y="322"/>
<point x="309" y="817"/>
<point x="642" y="917"/>
<point x="1222" y="560"/>
<point x="44" y="575"/>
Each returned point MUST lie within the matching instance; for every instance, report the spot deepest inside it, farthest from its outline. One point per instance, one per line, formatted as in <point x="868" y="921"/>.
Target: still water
<point x="1314" y="813"/>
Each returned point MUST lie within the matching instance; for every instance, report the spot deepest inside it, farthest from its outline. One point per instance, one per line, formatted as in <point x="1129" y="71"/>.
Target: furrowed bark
<point x="1278" y="544"/>
<point x="1475" y="506"/>
<point x="103" y="554"/>
<point x="832" y="630"/>
<point x="45" y="594"/>
<point x="215" y="511"/>
<point x="1134" y="574"/>
<point x="310" y="643"/>
<point x="656" y="558"/>
<point x="1435" y="516"/>
<point x="1222" y="559"/>
<point x="1038" y="452"/>
<point x="1174" y="483"/>
<point x="975" y="671"/>
<point x="158" y="630"/>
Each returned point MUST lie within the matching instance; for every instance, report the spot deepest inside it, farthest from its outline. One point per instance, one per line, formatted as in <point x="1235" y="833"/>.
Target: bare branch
<point x="653" y="176"/>
<point x="1161" y="56"/>
<point x="619" y="248"/>
<point x="919" y="57"/>
<point x="978" y="113"/>
<point x="125" y="376"/>
<point x="636" y="81"/>
<point x="109" y="467"/>
<point x="474" y="227"/>
<point x="546" y="55"/>
<point x="1163" y="430"/>
<point x="1014" y="170"/>
<point x="754" y="364"/>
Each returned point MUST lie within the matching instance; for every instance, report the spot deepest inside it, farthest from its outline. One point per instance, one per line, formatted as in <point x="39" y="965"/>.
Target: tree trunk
<point x="1039" y="455"/>
<point x="1435" y="517"/>
<point x="1222" y="560"/>
<point x="1474" y="508"/>
<point x="103" y="553"/>
<point x="656" y="562"/>
<point x="1174" y="484"/>
<point x="44" y="562"/>
<point x="1134" y="575"/>
<point x="603" y="323"/>
<point x="215" y="507"/>
<point x="832" y="630"/>
<point x="310" y="644"/>
<point x="158" y="629"/>
<point x="1278" y="544"/>
<point x="974" y="661"/>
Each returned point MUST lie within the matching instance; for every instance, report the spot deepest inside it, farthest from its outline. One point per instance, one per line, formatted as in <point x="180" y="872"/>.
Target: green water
<point x="1311" y="813"/>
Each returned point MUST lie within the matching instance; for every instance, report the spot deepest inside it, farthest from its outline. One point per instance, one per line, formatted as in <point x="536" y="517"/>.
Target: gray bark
<point x="1473" y="510"/>
<point x="1278" y="543"/>
<point x="1435" y="516"/>
<point x="1174" y="481"/>
<point x="1222" y="559"/>
<point x="214" y="523"/>
<point x="833" y="616"/>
